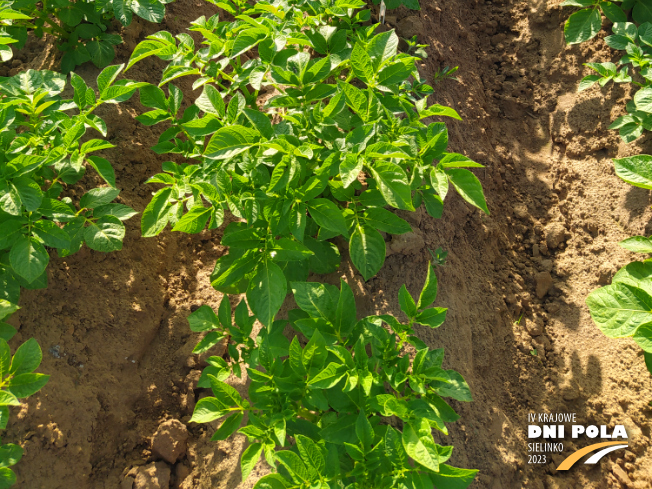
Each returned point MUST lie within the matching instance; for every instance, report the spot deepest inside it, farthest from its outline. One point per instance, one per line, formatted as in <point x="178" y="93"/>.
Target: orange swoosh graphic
<point x="571" y="459"/>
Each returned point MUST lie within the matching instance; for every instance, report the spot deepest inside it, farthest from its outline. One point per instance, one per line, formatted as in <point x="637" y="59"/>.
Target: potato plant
<point x="624" y="308"/>
<point x="308" y="126"/>
<point x="81" y="27"/>
<point x="347" y="408"/>
<point x="17" y="380"/>
<point x="41" y="152"/>
<point x="8" y="34"/>
<point x="635" y="38"/>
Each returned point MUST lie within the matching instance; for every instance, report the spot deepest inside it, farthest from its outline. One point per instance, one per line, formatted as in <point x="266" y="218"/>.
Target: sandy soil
<point x="113" y="327"/>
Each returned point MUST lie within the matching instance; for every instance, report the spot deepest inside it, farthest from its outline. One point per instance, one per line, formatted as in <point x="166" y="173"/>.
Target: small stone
<point x="555" y="234"/>
<point x="534" y="326"/>
<point x="520" y="211"/>
<point x="621" y="475"/>
<point x="153" y="476"/>
<point x="169" y="441"/>
<point x="127" y="483"/>
<point x="546" y="265"/>
<point x="181" y="472"/>
<point x="535" y="251"/>
<point x="543" y="282"/>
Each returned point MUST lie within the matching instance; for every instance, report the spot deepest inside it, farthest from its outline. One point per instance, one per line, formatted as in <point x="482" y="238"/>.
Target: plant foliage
<point x="17" y="381"/>
<point x="635" y="38"/>
<point x="82" y="27"/>
<point x="41" y="152"/>
<point x="310" y="140"/>
<point x="347" y="408"/>
<point x="624" y="308"/>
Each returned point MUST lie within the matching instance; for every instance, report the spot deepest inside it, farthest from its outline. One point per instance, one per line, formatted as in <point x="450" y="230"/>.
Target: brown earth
<point x="116" y="340"/>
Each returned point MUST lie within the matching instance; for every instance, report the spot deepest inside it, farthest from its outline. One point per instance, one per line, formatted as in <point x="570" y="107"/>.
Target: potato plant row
<point x="310" y="129"/>
<point x="624" y="308"/>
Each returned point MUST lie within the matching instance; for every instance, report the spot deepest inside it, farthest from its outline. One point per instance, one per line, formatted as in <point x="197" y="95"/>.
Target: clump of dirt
<point x="118" y="347"/>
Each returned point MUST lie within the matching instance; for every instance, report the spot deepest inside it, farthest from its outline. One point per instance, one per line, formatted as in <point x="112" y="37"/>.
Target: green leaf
<point x="7" y="332"/>
<point x="247" y="39"/>
<point x="24" y="385"/>
<point x="229" y="426"/>
<point x="582" y="25"/>
<point x="108" y="76"/>
<point x="350" y="169"/>
<point x="313" y="298"/>
<point x="643" y="99"/>
<point x="98" y="196"/>
<point x="10" y="454"/>
<point x="156" y="216"/>
<point x="230" y="141"/>
<point x="643" y="337"/>
<point x="343" y="430"/>
<point x="29" y="192"/>
<point x="103" y="168"/>
<point x="422" y="450"/>
<point x="642" y="11"/>
<point x="27" y="358"/>
<point x="122" y="11"/>
<point x="326" y="257"/>
<point x="102" y="53"/>
<point x="152" y="96"/>
<point x="364" y="431"/>
<point x="311" y="453"/>
<point x="28" y="258"/>
<point x="406" y="302"/>
<point x="328" y="377"/>
<point x="635" y="170"/>
<point x="8" y="399"/>
<point x="361" y="63"/>
<point x="7" y="308"/>
<point x="450" y="477"/>
<point x="345" y="314"/>
<point x="105" y="234"/>
<point x="266" y="292"/>
<point x="618" y="309"/>
<point x="588" y="82"/>
<point x="272" y="481"/>
<point x="51" y="234"/>
<point x="121" y="211"/>
<point x="194" y="221"/>
<point x="393" y="184"/>
<point x="613" y="12"/>
<point x="203" y="319"/>
<point x="429" y="291"/>
<point x="433" y="317"/>
<point x="294" y="466"/>
<point x="151" y="10"/>
<point x="469" y="187"/>
<point x="208" y="409"/>
<point x="383" y="47"/>
<point x="386" y="221"/>
<point x="328" y="215"/>
<point x="367" y="250"/>
<point x="648" y="361"/>
<point x="637" y="244"/>
<point x="249" y="459"/>
<point x="211" y="102"/>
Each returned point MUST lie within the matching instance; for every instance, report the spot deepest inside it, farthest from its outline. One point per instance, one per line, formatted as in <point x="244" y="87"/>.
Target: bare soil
<point x="116" y="340"/>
